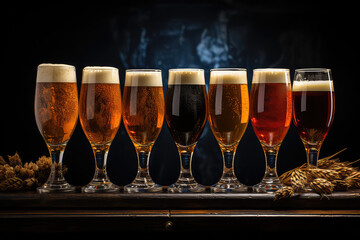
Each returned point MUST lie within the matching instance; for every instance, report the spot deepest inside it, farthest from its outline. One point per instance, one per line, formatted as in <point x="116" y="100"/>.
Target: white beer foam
<point x="271" y="75"/>
<point x="322" y="85"/>
<point x="95" y="74"/>
<point x="186" y="77"/>
<point x="50" y="72"/>
<point x="228" y="77"/>
<point x="143" y="78"/>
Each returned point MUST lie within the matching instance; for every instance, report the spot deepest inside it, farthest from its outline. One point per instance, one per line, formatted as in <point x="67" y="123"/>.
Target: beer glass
<point x="270" y="114"/>
<point x="143" y="116"/>
<point x="100" y="115"/>
<point x="314" y="108"/>
<point x="186" y="114"/>
<point x="228" y="105"/>
<point x="56" y="114"/>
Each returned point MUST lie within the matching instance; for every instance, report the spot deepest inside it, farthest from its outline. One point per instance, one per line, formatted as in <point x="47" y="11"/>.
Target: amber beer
<point x="56" y="114"/>
<point x="56" y="103"/>
<point x="100" y="104"/>
<point x="143" y="114"/>
<point x="100" y="116"/>
<point x="228" y="105"/>
<point x="143" y="105"/>
<point x="314" y="109"/>
<point x="270" y="105"/>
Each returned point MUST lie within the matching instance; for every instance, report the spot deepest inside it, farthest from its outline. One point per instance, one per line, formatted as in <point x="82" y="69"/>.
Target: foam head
<point x="186" y="76"/>
<point x="228" y="76"/>
<point x="271" y="75"/>
<point x="100" y="75"/>
<point x="49" y="72"/>
<point x="321" y="85"/>
<point x="143" y="77"/>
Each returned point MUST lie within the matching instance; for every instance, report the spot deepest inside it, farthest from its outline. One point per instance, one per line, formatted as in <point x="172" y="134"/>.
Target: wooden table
<point x="166" y="212"/>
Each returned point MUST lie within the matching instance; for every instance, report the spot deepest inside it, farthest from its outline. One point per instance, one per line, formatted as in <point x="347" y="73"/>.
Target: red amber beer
<point x="270" y="114"/>
<point x="270" y="106"/>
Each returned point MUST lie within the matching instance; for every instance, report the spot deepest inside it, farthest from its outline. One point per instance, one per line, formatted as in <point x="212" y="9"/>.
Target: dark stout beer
<point x="314" y="109"/>
<point x="186" y="106"/>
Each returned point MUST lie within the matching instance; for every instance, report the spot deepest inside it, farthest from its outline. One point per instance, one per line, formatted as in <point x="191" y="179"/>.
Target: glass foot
<point x="233" y="185"/>
<point x="143" y="185"/>
<point x="185" y="186"/>
<point x="268" y="185"/>
<point x="99" y="187"/>
<point x="56" y="187"/>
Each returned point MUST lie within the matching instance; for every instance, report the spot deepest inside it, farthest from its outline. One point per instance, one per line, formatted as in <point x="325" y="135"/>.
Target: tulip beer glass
<point x="314" y="108"/>
<point x="186" y="114"/>
<point x="56" y="114"/>
<point x="228" y="105"/>
<point x="100" y="115"/>
<point x="270" y="114"/>
<point x="143" y="116"/>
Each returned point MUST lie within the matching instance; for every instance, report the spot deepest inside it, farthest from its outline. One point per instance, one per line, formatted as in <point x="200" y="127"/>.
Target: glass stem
<point x="312" y="156"/>
<point x="186" y="154"/>
<point x="100" y="165"/>
<point x="143" y="154"/>
<point x="56" y="174"/>
<point x="271" y="154"/>
<point x="228" y="161"/>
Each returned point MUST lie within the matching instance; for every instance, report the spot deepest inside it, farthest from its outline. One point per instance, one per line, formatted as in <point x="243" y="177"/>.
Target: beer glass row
<point x="272" y="105"/>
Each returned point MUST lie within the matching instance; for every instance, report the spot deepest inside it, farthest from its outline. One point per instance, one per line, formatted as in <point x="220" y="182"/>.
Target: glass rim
<point x="56" y="65"/>
<point x="315" y="70"/>
<point x="228" y="69"/>
<point x="100" y="68"/>
<point x="271" y="69"/>
<point x="142" y="70"/>
<point x="186" y="69"/>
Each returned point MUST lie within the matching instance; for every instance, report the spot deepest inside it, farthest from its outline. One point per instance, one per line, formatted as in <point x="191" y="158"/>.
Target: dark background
<point x="177" y="34"/>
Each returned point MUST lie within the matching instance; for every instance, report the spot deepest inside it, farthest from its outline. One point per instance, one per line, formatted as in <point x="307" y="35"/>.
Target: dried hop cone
<point x="44" y="167"/>
<point x="12" y="184"/>
<point x="2" y="161"/>
<point x="285" y="192"/>
<point x="322" y="186"/>
<point x="14" y="160"/>
<point x="30" y="183"/>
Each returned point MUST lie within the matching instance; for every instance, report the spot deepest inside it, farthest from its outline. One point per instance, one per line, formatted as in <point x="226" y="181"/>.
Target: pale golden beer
<point x="56" y="114"/>
<point x="100" y="105"/>
<point x="143" y="115"/>
<point x="56" y="103"/>
<point x="143" y="106"/>
<point x="228" y="104"/>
